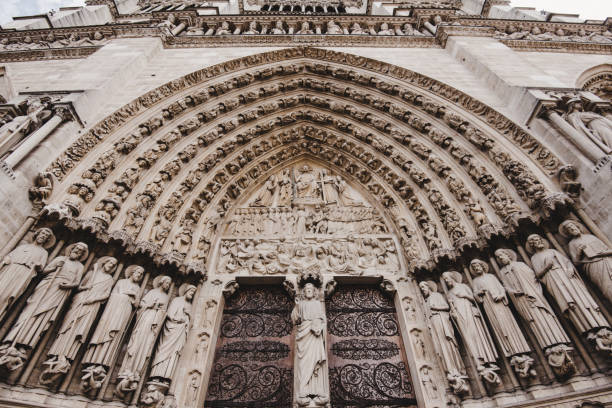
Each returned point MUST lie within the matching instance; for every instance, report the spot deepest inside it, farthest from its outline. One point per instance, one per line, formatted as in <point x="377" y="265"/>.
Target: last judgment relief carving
<point x="307" y="217"/>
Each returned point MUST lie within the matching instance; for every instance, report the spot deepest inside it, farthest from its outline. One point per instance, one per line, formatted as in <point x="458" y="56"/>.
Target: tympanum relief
<point x="307" y="217"/>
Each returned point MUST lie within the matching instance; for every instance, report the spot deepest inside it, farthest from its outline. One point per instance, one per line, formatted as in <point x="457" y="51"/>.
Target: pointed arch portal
<point x="258" y="177"/>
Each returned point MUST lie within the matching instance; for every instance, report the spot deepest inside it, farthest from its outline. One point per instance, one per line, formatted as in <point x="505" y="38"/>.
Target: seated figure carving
<point x="333" y="28"/>
<point x="305" y="29"/>
<point x="224" y="29"/>
<point x="252" y="28"/>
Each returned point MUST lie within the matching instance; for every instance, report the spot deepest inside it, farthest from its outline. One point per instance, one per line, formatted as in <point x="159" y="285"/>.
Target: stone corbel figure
<point x="444" y="337"/>
<point x="591" y="253"/>
<point x="106" y="340"/>
<point x="520" y="281"/>
<point x="472" y="327"/>
<point x="41" y="190"/>
<point x="93" y="290"/>
<point x="594" y="126"/>
<point x="149" y="320"/>
<point x="562" y="281"/>
<point x="63" y="274"/>
<point x="308" y="315"/>
<point x="489" y="291"/>
<point x="21" y="265"/>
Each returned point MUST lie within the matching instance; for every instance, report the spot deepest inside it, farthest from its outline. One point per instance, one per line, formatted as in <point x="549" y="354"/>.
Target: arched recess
<point x="597" y="80"/>
<point x="451" y="171"/>
<point x="164" y="176"/>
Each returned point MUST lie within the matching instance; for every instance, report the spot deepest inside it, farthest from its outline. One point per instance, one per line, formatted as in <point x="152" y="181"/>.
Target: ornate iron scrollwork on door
<point x="254" y="359"/>
<point x="367" y="363"/>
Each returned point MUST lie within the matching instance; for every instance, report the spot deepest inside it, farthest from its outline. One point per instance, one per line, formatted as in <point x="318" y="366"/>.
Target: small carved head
<point x="505" y="256"/>
<point x="44" y="237"/>
<point x="536" y="243"/>
<point x="478" y="267"/>
<point x="570" y="229"/>
<point x="134" y="272"/>
<point x="77" y="251"/>
<point x="428" y="287"/>
<point x="309" y="291"/>
<point x="108" y="264"/>
<point x="188" y="291"/>
<point x="451" y="278"/>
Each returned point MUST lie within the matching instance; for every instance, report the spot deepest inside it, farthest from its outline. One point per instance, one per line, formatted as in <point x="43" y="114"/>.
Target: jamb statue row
<point x="155" y="316"/>
<point x="517" y="283"/>
<point x="523" y="286"/>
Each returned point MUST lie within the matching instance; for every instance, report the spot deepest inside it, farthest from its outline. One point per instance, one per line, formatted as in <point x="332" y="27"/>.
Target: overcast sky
<point x="588" y="9"/>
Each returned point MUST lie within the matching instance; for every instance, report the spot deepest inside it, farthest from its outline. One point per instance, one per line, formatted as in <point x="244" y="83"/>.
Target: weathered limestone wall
<point x="127" y="68"/>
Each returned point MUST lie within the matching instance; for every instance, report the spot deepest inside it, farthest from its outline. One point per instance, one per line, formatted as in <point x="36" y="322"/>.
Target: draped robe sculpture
<point x="592" y="254"/>
<point x="148" y="322"/>
<point x="93" y="290"/>
<point x="490" y="292"/>
<point x="63" y="274"/>
<point x="21" y="265"/>
<point x="312" y="374"/>
<point x="520" y="281"/>
<point x="569" y="291"/>
<point x="106" y="340"/>
<point x="174" y="334"/>
<point x="592" y="125"/>
<point x="306" y="184"/>
<point x="471" y="324"/>
<point x="266" y="195"/>
<point x="444" y="337"/>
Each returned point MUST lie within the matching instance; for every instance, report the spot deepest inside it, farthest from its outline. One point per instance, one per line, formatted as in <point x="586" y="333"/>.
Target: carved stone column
<point x="178" y="29"/>
<point x="62" y="114"/>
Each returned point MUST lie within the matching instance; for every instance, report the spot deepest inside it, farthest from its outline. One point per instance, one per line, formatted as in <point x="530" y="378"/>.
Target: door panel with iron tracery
<point x="254" y="357"/>
<point x="366" y="357"/>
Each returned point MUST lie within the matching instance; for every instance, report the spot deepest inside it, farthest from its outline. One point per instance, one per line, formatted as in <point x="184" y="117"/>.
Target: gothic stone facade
<point x="300" y="203"/>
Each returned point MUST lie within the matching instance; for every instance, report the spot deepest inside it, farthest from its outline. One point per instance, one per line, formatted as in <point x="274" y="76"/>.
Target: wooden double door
<point x="253" y="364"/>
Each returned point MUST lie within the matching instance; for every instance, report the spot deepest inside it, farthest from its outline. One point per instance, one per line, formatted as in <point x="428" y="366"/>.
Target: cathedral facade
<point x="298" y="203"/>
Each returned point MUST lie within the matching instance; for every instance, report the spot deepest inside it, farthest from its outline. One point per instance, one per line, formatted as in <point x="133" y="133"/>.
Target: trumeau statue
<point x="148" y="323"/>
<point x="21" y="265"/>
<point x="472" y="327"/>
<point x="174" y="334"/>
<point x="521" y="283"/>
<point x="106" y="340"/>
<point x="562" y="281"/>
<point x="444" y="337"/>
<point x="591" y="253"/>
<point x="63" y="274"/>
<point x="312" y="375"/>
<point x="93" y="290"/>
<point x="489" y="291"/>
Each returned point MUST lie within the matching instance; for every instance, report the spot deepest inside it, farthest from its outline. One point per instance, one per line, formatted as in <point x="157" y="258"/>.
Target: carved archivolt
<point x="449" y="174"/>
<point x="597" y="80"/>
